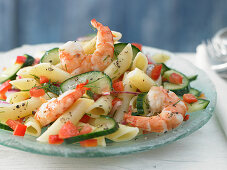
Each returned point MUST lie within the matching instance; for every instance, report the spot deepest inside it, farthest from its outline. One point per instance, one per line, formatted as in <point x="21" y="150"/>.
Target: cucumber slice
<point x="142" y="104"/>
<point x="164" y="68"/>
<point x="98" y="82"/>
<point x="120" y="46"/>
<point x="10" y="73"/>
<point x="192" y="78"/>
<point x="5" y="127"/>
<point x="195" y="92"/>
<point x="179" y="89"/>
<point x="51" y="56"/>
<point x="199" y="105"/>
<point x="105" y="126"/>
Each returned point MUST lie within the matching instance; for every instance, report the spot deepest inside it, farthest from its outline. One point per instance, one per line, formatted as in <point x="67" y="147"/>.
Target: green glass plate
<point x="141" y="143"/>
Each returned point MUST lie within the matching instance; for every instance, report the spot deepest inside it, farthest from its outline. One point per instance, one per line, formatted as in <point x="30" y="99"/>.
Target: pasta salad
<point x="93" y="89"/>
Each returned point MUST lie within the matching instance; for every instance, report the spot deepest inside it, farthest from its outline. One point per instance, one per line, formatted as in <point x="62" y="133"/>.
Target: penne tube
<point x="140" y="80"/>
<point x="121" y="64"/>
<point x="20" y="110"/>
<point x="140" y="62"/>
<point x="73" y="114"/>
<point x="124" y="133"/>
<point x="24" y="83"/>
<point x="53" y="73"/>
<point x="18" y="97"/>
<point x="101" y="107"/>
<point x="33" y="126"/>
<point x="125" y="99"/>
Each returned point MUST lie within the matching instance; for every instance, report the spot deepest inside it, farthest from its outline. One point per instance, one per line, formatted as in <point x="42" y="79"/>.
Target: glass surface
<point x="141" y="143"/>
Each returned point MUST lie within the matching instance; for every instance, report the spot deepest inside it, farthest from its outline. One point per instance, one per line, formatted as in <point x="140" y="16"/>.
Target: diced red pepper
<point x="43" y="79"/>
<point x="20" y="59"/>
<point x="85" y="118"/>
<point x="12" y="123"/>
<point x="36" y="92"/>
<point x="54" y="139"/>
<point x="20" y="130"/>
<point x="139" y="46"/>
<point x="186" y="117"/>
<point x="5" y="86"/>
<point x="3" y="96"/>
<point x="68" y="130"/>
<point x="189" y="98"/>
<point x="175" y="78"/>
<point x="17" y="126"/>
<point x="115" y="100"/>
<point x="119" y="79"/>
<point x="156" y="71"/>
<point x="89" y="143"/>
<point x="118" y="86"/>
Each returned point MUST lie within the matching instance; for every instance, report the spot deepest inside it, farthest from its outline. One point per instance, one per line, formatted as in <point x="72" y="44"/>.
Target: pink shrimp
<point x="55" y="107"/>
<point x="168" y="103"/>
<point x="75" y="61"/>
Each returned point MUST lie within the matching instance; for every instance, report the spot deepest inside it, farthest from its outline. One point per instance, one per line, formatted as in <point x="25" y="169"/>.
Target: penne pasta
<point x="125" y="99"/>
<point x="124" y="133"/>
<point x="140" y="80"/>
<point x="33" y="126"/>
<point x="121" y="64"/>
<point x="101" y="107"/>
<point x="18" y="97"/>
<point x="20" y="110"/>
<point x="53" y="73"/>
<point x="140" y="62"/>
<point x="24" y="83"/>
<point x="74" y="114"/>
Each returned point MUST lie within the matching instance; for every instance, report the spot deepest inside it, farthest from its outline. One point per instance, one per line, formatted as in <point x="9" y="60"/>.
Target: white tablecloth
<point x="204" y="149"/>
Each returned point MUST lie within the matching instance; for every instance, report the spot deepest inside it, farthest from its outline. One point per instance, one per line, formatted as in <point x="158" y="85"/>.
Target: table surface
<point x="204" y="149"/>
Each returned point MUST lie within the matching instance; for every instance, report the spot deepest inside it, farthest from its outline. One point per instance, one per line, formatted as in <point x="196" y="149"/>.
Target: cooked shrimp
<point x="55" y="107"/>
<point x="75" y="61"/>
<point x="168" y="103"/>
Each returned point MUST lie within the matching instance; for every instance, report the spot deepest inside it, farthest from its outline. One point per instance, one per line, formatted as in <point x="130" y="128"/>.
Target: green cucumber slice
<point x="142" y="104"/>
<point x="10" y="73"/>
<point x="195" y="92"/>
<point x="98" y="82"/>
<point x="199" y="105"/>
<point x="192" y="78"/>
<point x="120" y="46"/>
<point x="179" y="89"/>
<point x="105" y="126"/>
<point x="5" y="127"/>
<point x="51" y="56"/>
<point x="164" y="68"/>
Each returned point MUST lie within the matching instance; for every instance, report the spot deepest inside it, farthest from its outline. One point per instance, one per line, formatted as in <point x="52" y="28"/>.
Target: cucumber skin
<point x="164" y="68"/>
<point x="72" y="78"/>
<point x="181" y="91"/>
<point x="5" y="127"/>
<point x="93" y="134"/>
<point x="205" y="104"/>
<point x="192" y="78"/>
<point x="29" y="61"/>
<point x="47" y="53"/>
<point x="135" y="50"/>
<point x="139" y="104"/>
<point x="195" y="92"/>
